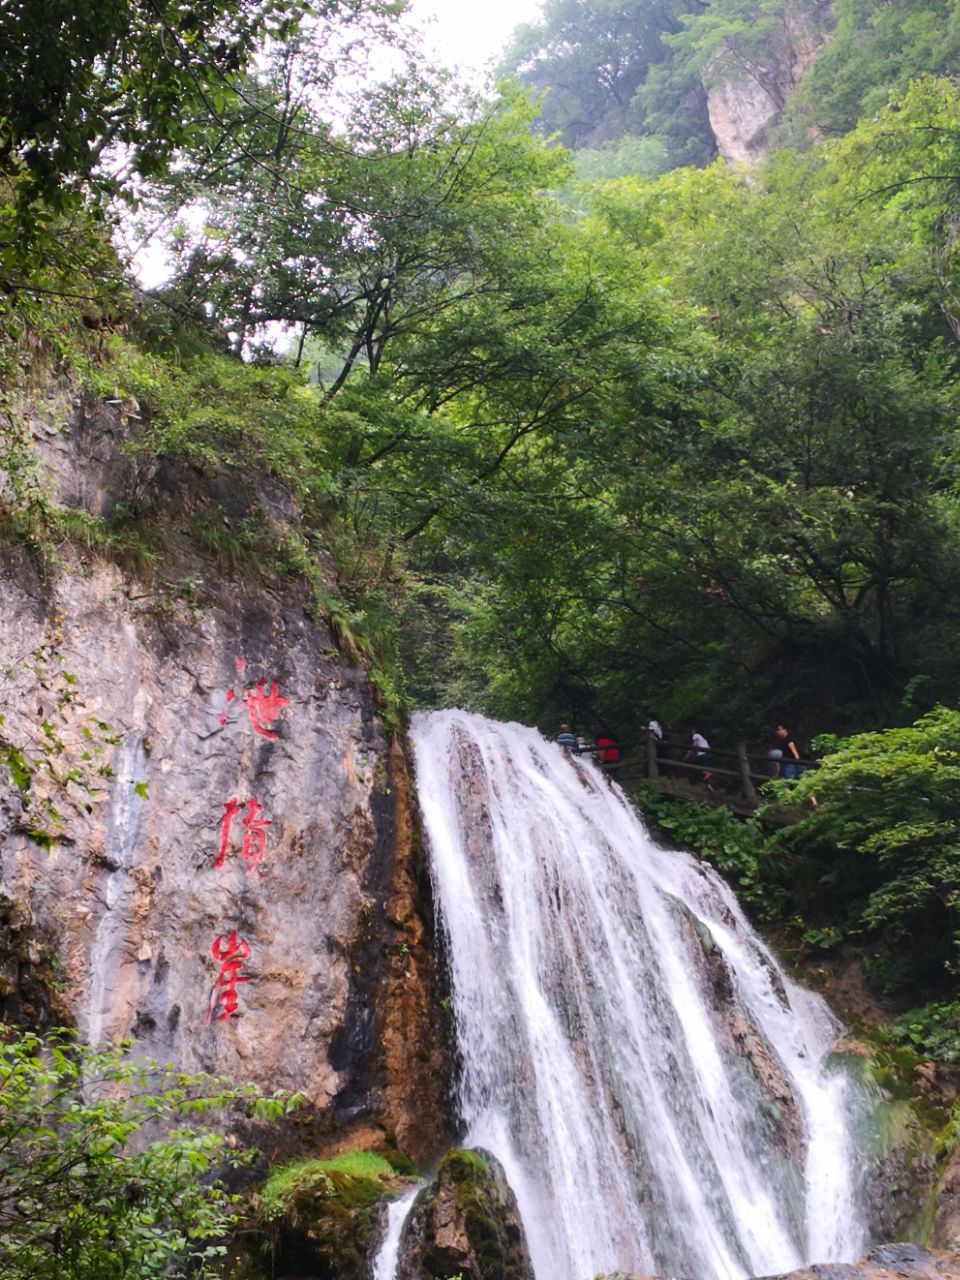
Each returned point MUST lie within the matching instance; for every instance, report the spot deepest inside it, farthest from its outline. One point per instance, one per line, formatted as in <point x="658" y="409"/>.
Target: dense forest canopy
<point x="685" y="442"/>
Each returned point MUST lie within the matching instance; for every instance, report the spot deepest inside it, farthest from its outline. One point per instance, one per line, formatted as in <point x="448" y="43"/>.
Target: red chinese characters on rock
<point x="254" y="846"/>
<point x="254" y="836"/>
<point x="230" y="951"/>
<point x="263" y="705"/>
<point x="230" y="811"/>
<point x="263" y="708"/>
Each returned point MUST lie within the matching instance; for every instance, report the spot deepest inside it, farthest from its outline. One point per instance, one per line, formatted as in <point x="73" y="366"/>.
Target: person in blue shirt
<point x="567" y="739"/>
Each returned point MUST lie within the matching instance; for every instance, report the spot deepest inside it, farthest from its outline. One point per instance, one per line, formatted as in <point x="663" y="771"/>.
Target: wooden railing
<point x="735" y="777"/>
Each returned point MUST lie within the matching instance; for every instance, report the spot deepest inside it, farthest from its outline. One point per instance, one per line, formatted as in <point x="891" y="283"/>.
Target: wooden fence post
<point x="653" y="768"/>
<point x="749" y="790"/>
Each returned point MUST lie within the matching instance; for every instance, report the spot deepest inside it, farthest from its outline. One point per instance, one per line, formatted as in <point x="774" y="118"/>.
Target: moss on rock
<point x="322" y="1218"/>
<point x="465" y="1224"/>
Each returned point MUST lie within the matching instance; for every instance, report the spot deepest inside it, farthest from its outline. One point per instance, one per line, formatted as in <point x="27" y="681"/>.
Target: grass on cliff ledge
<point x="356" y="1178"/>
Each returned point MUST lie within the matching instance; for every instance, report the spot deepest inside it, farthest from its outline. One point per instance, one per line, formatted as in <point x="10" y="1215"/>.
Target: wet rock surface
<point x="885" y="1262"/>
<point x="764" y="1084"/>
<point x="201" y="850"/>
<point x="466" y="1223"/>
<point x="946" y="1227"/>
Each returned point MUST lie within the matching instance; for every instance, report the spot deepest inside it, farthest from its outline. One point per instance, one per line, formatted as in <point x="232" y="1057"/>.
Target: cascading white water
<point x="658" y="1091"/>
<point x="385" y="1263"/>
<point x="126" y="805"/>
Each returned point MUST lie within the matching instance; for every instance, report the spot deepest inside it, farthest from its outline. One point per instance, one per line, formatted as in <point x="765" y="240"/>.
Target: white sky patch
<point x="466" y="36"/>
<point x="472" y="34"/>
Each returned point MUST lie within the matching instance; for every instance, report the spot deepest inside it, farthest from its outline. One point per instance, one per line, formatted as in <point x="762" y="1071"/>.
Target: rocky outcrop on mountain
<point x="207" y="835"/>
<point x="748" y="90"/>
<point x="466" y="1224"/>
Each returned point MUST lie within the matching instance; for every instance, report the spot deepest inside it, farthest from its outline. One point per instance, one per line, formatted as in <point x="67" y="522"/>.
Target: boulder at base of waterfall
<point x="320" y="1219"/>
<point x="885" y="1262"/>
<point x="466" y="1223"/>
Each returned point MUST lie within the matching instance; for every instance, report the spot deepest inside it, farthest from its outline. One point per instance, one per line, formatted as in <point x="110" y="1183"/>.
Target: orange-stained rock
<point x="414" y="1035"/>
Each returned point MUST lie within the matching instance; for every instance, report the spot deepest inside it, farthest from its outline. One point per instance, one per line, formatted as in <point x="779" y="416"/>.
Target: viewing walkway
<point x="735" y="776"/>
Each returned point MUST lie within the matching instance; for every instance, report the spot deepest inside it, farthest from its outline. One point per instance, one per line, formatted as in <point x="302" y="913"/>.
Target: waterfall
<point x="659" y="1092"/>
<point x="110" y="939"/>
<point x="385" y="1262"/>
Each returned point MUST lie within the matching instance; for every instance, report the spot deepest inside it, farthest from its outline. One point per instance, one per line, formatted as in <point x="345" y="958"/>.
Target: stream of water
<point x="660" y="1094"/>
<point x="121" y="853"/>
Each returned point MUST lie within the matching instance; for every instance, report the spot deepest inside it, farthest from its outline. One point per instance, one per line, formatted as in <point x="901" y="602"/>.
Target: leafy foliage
<point x="750" y="508"/>
<point x="893" y="798"/>
<point x="604" y="69"/>
<point x="933" y="1030"/>
<point x="875" y="50"/>
<point x="104" y="1171"/>
<point x="738" y="848"/>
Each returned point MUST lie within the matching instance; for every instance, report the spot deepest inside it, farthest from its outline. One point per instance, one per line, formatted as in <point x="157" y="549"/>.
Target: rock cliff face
<point x="746" y="93"/>
<point x="207" y="843"/>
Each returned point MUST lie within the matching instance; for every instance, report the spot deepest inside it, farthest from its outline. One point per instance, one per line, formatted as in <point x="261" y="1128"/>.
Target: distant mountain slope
<point x="734" y="77"/>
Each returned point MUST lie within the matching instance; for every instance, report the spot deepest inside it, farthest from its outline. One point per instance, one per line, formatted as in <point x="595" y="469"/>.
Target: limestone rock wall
<point x="746" y="94"/>
<point x="209" y="845"/>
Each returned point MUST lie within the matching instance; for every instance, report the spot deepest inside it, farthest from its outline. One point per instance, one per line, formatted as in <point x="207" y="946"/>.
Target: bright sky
<point x="469" y="33"/>
<point x="466" y="34"/>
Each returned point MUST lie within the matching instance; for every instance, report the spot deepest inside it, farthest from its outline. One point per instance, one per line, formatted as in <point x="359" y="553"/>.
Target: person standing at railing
<point x="699" y="752"/>
<point x="790" y="766"/>
<point x="655" y="728"/>
<point x="567" y="739"/>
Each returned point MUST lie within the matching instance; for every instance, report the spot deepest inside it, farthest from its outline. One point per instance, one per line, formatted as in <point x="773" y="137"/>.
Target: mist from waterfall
<point x="660" y="1094"/>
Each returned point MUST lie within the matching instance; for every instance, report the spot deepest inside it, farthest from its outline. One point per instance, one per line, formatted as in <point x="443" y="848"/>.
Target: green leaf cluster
<point x="603" y="69"/>
<point x="891" y="800"/>
<point x="109" y="1166"/>
<point x="933" y="1030"/>
<point x="740" y="849"/>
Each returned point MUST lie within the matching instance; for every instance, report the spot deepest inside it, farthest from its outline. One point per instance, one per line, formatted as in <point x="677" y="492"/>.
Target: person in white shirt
<point x="656" y="728"/>
<point x="699" y="747"/>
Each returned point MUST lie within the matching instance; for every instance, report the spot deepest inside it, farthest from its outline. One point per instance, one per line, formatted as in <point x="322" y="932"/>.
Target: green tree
<point x="589" y="59"/>
<point x="892" y="800"/>
<point x="874" y="51"/>
<point x="95" y="99"/>
<point x="104" y="1174"/>
<point x="78" y="79"/>
<point x="373" y="235"/>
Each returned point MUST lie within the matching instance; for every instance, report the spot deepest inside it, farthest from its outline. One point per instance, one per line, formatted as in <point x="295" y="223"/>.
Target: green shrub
<point x="933" y="1030"/>
<point x="739" y="848"/>
<point x="106" y="1168"/>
